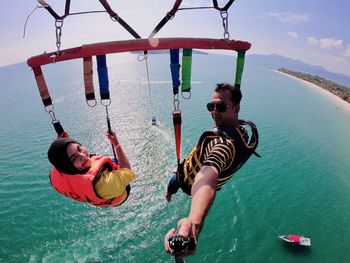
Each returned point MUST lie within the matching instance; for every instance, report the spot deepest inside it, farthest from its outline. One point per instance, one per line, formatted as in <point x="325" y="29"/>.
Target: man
<point x="216" y="157"/>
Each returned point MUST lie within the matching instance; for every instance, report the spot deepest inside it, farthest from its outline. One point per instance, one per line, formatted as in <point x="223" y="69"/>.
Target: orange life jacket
<point x="80" y="187"/>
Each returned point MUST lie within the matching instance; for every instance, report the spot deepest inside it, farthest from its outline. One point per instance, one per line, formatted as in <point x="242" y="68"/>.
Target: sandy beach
<point x="340" y="103"/>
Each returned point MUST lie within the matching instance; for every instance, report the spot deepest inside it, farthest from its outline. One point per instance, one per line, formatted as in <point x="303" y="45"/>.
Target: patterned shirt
<point x="212" y="150"/>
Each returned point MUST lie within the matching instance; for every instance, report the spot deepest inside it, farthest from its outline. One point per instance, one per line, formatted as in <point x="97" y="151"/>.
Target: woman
<point x="89" y="178"/>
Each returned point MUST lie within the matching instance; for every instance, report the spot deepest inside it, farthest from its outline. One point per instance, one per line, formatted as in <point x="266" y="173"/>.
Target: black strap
<point x="53" y="13"/>
<point x="227" y="6"/>
<point x="237" y="138"/>
<point x="167" y="17"/>
<point x="115" y="16"/>
<point x="106" y="6"/>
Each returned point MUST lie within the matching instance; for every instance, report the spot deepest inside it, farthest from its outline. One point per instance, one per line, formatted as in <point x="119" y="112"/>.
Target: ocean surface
<point x="300" y="185"/>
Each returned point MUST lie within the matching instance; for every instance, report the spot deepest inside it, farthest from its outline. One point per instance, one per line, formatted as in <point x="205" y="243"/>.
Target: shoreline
<point x="340" y="103"/>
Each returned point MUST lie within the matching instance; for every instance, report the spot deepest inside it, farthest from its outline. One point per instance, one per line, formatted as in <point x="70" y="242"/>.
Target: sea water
<point x="300" y="185"/>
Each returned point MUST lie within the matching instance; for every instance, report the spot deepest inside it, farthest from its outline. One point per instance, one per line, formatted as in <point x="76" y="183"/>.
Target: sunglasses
<point x="219" y="106"/>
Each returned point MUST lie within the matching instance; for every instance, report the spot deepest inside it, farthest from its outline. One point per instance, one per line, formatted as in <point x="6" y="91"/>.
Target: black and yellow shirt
<point x="218" y="151"/>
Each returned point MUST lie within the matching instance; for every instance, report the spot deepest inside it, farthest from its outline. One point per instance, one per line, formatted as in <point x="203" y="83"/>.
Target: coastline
<point x="342" y="104"/>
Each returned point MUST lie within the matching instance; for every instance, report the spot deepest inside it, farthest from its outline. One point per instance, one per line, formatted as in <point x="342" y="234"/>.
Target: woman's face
<point x="79" y="156"/>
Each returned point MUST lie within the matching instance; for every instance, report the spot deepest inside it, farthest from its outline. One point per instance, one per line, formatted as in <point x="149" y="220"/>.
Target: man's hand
<point x="185" y="229"/>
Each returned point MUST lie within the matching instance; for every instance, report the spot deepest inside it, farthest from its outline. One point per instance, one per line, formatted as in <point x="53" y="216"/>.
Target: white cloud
<point x="293" y="34"/>
<point x="347" y="51"/>
<point x="329" y="43"/>
<point x="312" y="41"/>
<point x="326" y="43"/>
<point x="328" y="46"/>
<point x="290" y="18"/>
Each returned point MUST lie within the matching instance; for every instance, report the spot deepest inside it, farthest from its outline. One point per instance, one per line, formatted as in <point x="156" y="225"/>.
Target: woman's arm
<point x="122" y="159"/>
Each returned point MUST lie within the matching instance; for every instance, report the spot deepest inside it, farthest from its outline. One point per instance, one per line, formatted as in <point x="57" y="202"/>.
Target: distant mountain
<point x="277" y="61"/>
<point x="156" y="52"/>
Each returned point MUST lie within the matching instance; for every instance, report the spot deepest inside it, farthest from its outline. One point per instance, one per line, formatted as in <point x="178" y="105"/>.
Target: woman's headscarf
<point x="58" y="156"/>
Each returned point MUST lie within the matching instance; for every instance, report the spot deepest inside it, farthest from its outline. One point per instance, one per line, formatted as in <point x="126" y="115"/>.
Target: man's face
<point x="224" y="113"/>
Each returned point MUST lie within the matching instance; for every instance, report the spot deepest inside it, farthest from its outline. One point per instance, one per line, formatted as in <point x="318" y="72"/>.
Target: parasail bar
<point x="136" y="45"/>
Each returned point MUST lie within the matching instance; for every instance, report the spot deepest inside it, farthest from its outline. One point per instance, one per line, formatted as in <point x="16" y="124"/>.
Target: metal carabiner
<point x="107" y="104"/>
<point x="92" y="104"/>
<point x="51" y="113"/>
<point x="224" y="16"/>
<point x="43" y="3"/>
<point x="142" y="57"/>
<point x="58" y="25"/>
<point x="186" y="98"/>
<point x="115" y="18"/>
<point x="176" y="103"/>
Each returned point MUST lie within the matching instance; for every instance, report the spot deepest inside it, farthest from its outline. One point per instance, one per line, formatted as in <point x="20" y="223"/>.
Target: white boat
<point x="300" y="240"/>
<point x="154" y="120"/>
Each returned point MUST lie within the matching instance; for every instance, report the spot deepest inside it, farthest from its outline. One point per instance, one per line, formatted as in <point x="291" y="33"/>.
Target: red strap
<point x="177" y="130"/>
<point x="43" y="90"/>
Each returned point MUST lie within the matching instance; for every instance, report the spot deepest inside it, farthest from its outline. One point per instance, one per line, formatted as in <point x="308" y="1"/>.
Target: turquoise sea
<point x="301" y="184"/>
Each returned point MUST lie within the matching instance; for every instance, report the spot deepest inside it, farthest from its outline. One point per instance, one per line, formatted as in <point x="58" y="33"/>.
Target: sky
<point x="313" y="31"/>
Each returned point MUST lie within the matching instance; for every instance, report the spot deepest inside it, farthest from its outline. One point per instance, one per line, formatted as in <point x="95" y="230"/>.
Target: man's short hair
<point x="236" y="94"/>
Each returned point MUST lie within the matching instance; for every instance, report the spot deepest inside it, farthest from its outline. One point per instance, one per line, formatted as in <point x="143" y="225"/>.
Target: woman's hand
<point x="112" y="137"/>
<point x="63" y="135"/>
<point x="122" y="159"/>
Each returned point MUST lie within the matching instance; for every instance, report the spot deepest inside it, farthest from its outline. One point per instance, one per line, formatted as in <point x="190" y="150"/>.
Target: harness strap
<point x="225" y="8"/>
<point x="41" y="83"/>
<point x="188" y="177"/>
<point x="117" y="18"/>
<point x="88" y="81"/>
<point x="239" y="67"/>
<point x="103" y="77"/>
<point x="255" y="138"/>
<point x="46" y="99"/>
<point x="177" y="129"/>
<point x="104" y="91"/>
<point x="104" y="3"/>
<point x="189" y="163"/>
<point x="186" y="69"/>
<point x="175" y="8"/>
<point x="52" y="12"/>
<point x="198" y="163"/>
<point x="58" y="127"/>
<point x="193" y="168"/>
<point x="177" y="120"/>
<point x="167" y="17"/>
<point x="110" y="132"/>
<point x="175" y="70"/>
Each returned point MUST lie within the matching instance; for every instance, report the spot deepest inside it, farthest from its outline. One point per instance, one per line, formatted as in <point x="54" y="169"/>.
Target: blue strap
<point x="103" y="76"/>
<point x="175" y="69"/>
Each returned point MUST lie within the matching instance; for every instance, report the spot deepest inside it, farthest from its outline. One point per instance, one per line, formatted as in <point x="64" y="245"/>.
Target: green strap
<point x="239" y="67"/>
<point x="186" y="69"/>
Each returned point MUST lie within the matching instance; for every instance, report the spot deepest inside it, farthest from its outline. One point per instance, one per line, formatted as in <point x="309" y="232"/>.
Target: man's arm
<point x="203" y="195"/>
